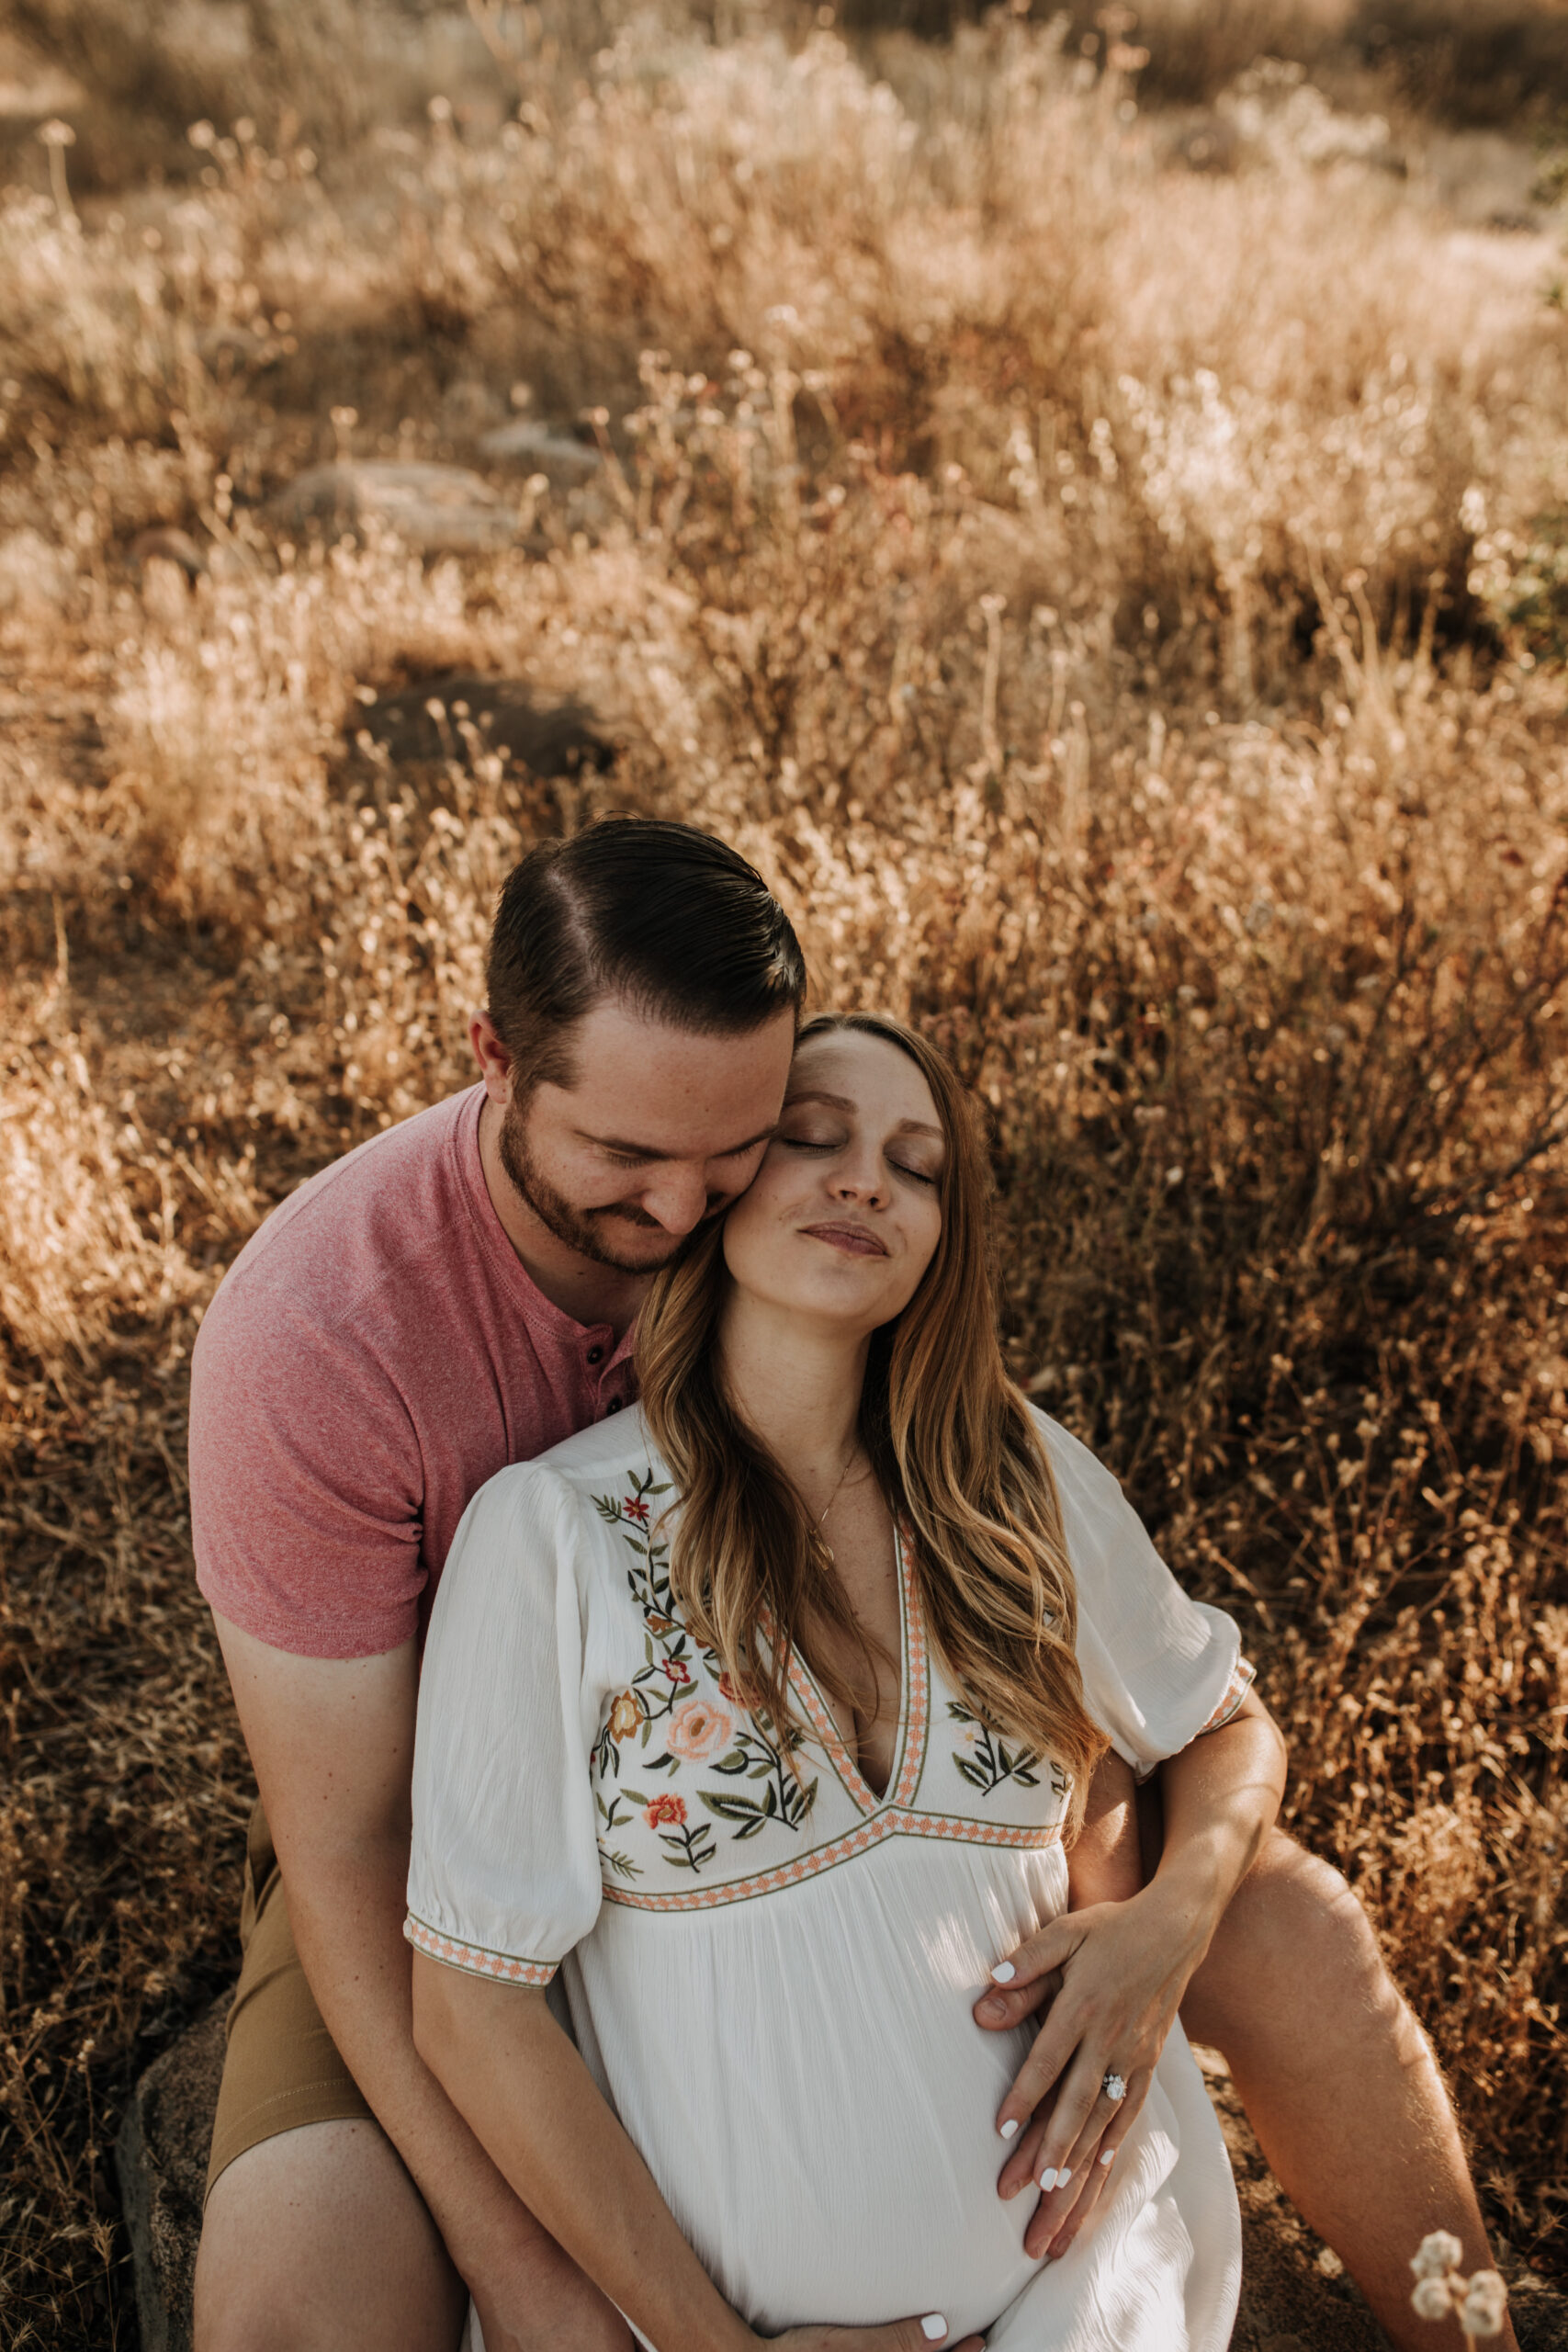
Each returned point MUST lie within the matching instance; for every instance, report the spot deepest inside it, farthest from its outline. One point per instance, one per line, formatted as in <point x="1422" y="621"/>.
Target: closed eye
<point x="901" y="1167"/>
<point x="655" y="1160"/>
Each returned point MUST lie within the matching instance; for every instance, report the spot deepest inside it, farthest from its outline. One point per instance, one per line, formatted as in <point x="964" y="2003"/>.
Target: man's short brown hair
<point x="669" y="918"/>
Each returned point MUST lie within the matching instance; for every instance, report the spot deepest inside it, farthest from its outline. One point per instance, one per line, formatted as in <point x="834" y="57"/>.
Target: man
<point x="456" y="1295"/>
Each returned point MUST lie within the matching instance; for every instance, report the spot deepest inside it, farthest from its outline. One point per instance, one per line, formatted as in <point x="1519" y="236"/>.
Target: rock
<point x="160" y="2159"/>
<point x="549" y="739"/>
<point x="436" y="510"/>
<point x="1489" y="179"/>
<point x="537" y="449"/>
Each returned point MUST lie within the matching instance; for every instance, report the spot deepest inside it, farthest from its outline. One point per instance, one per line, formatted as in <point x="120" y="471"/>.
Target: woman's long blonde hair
<point x="951" y="1442"/>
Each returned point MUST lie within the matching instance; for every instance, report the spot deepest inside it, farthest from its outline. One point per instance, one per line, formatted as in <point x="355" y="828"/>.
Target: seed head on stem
<point x="1480" y="2303"/>
<point x="57" y="136"/>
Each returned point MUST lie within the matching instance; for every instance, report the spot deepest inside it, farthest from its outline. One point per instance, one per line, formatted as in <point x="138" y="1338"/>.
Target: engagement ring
<point x="1114" y="2087"/>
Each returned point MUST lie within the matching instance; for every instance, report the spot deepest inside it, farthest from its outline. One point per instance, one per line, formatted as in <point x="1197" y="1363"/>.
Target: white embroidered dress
<point x="771" y="1977"/>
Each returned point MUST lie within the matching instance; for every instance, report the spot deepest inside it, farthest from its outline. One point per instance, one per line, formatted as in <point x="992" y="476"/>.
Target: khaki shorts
<point x="281" y="2068"/>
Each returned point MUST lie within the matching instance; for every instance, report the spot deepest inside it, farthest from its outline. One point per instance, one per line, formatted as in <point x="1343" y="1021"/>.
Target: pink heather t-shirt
<point x="375" y="1353"/>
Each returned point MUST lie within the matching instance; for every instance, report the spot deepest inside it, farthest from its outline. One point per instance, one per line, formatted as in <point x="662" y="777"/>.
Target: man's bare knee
<point x="1294" y="1931"/>
<point x="318" y="2241"/>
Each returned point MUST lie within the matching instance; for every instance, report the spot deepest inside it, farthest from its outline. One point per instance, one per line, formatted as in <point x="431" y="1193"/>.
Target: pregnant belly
<point x="807" y="2084"/>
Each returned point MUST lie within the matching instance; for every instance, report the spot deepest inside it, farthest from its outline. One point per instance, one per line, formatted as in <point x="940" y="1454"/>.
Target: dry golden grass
<point x="1113" y="607"/>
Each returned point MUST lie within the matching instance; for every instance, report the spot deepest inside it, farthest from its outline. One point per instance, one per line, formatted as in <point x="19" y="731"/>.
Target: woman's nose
<point x="860" y="1181"/>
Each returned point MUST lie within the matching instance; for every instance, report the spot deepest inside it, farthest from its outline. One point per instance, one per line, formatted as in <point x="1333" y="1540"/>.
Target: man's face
<point x="661" y="1129"/>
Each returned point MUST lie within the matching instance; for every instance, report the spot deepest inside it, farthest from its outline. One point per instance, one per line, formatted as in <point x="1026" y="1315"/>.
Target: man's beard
<point x="581" y="1229"/>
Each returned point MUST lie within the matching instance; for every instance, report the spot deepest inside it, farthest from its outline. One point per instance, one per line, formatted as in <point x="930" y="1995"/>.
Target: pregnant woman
<point x="765" y="1715"/>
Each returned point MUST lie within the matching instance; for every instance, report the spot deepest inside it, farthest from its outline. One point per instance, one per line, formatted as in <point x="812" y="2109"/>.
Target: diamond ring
<point x="1114" y="2087"/>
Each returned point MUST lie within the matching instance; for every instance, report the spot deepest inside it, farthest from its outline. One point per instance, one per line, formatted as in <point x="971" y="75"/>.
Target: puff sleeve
<point x="503" y="1872"/>
<point x="1157" y="1668"/>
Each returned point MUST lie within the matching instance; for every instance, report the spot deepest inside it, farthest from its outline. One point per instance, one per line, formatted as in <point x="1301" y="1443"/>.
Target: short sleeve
<point x="504" y="1872"/>
<point x="305" y="1482"/>
<point x="1157" y="1668"/>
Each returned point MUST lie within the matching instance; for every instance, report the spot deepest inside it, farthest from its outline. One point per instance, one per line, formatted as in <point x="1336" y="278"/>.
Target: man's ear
<point x="495" y="1062"/>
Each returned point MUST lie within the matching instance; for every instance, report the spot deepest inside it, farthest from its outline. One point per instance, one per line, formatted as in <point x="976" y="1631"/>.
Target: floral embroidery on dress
<point x="675" y="1722"/>
<point x="986" y="1761"/>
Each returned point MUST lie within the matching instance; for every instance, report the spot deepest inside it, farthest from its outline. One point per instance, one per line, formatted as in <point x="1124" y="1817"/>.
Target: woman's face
<point x="843" y="1217"/>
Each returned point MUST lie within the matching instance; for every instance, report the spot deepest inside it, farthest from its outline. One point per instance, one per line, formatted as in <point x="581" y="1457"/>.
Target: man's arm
<point x="332" y="1741"/>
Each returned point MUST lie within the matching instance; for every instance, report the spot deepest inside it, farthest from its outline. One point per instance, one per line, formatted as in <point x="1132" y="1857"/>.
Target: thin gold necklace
<point x="822" y="1518"/>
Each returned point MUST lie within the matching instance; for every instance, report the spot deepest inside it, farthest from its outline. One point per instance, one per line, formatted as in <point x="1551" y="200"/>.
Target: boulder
<point x="435" y="509"/>
<point x="160" y="2159"/>
<point x="536" y="448"/>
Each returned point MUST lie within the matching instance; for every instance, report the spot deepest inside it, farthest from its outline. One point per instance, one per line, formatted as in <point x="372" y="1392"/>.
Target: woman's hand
<point x="1105" y="1867"/>
<point x="1114" y="1976"/>
<point x="1062" y="2212"/>
<point x="904" y="2336"/>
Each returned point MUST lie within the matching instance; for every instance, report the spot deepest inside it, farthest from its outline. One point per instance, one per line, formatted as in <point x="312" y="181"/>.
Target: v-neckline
<point x="911" y="1669"/>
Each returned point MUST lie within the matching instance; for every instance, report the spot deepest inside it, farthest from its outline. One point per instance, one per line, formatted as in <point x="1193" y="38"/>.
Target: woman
<point x="769" y="1712"/>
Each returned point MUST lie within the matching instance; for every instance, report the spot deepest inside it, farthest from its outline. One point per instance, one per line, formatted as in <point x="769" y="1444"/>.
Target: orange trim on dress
<point x="1243" y="1676"/>
<point x="890" y="1821"/>
<point x="474" y="1958"/>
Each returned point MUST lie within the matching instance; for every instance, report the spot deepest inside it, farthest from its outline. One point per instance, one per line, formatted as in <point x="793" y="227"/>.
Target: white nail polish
<point x="1008" y="2128"/>
<point x="1063" y="2177"/>
<point x="933" y="2327"/>
<point x="1108" y="2155"/>
<point x="1048" y="2179"/>
<point x="1003" y="1973"/>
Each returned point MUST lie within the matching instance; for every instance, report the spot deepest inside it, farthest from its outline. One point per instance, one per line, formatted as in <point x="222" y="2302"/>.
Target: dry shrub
<point x="1469" y="61"/>
<point x="1072" y="586"/>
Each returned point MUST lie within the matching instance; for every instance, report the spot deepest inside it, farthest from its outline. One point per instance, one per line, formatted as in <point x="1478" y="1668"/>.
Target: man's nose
<point x="678" y="1197"/>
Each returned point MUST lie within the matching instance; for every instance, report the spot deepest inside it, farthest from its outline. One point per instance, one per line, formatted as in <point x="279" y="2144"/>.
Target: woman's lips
<point x="853" y="1239"/>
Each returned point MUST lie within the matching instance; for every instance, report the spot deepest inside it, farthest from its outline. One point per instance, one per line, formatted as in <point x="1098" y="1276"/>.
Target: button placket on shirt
<point x="594" y="1356"/>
